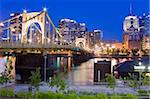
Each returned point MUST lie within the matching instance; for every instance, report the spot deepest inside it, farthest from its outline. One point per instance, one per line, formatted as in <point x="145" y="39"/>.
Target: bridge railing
<point x="4" y="45"/>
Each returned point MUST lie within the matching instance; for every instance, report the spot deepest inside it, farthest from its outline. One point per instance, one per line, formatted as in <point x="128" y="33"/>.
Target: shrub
<point x="73" y="96"/>
<point x="20" y="94"/>
<point x="58" y="81"/>
<point x="29" y="95"/>
<point x="60" y="96"/>
<point x="52" y="95"/>
<point x="72" y="92"/>
<point x="102" y="96"/>
<point x="88" y="97"/>
<point x="146" y="80"/>
<point x="133" y="83"/>
<point x="35" y="78"/>
<point x="111" y="80"/>
<point x="131" y="96"/>
<point x="115" y="96"/>
<point x="10" y="93"/>
<point x="3" y="92"/>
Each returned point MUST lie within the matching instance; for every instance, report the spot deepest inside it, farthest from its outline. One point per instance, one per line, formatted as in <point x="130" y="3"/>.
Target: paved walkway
<point x="78" y="88"/>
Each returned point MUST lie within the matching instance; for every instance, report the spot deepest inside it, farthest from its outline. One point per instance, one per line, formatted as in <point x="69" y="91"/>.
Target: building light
<point x="141" y="68"/>
<point x="140" y="63"/>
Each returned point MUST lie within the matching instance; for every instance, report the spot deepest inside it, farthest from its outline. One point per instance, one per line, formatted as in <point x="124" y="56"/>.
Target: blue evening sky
<point x="107" y="15"/>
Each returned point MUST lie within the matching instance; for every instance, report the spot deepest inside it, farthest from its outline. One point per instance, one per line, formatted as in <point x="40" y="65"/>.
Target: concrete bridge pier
<point x="69" y="60"/>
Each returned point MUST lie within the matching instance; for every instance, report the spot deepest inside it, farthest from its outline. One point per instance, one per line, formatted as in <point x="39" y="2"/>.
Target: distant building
<point x="131" y="23"/>
<point x="144" y="23"/>
<point x="94" y="37"/>
<point x="135" y="28"/>
<point x="146" y="42"/>
<point x="70" y="29"/>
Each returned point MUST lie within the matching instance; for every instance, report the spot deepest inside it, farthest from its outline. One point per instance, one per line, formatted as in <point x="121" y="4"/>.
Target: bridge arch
<point x="34" y="33"/>
<point x="28" y="20"/>
<point x="80" y="42"/>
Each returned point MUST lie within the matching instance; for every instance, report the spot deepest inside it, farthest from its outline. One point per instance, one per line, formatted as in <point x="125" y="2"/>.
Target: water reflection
<point x="84" y="73"/>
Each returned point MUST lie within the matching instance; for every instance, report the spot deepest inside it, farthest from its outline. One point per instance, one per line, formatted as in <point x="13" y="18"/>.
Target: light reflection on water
<point x="84" y="73"/>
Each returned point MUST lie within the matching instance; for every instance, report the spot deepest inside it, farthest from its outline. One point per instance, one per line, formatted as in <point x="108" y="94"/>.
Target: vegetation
<point x="3" y="92"/>
<point x="146" y="80"/>
<point x="29" y="95"/>
<point x="73" y="95"/>
<point x="144" y="92"/>
<point x="35" y="78"/>
<point x="20" y="94"/>
<point x="133" y="83"/>
<point x="58" y="81"/>
<point x="5" y="76"/>
<point x="10" y="93"/>
<point x="110" y="80"/>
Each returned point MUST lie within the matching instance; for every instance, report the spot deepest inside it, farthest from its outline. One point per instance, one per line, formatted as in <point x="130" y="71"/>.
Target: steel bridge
<point x="32" y="30"/>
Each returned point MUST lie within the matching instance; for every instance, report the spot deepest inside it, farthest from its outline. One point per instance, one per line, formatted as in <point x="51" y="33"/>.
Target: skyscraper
<point x="70" y="29"/>
<point x="132" y="39"/>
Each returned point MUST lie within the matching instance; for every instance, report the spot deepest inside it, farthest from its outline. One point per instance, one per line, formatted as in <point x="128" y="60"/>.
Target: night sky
<point x="107" y="15"/>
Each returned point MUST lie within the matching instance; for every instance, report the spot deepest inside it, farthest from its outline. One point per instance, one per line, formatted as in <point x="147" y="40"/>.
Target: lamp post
<point x="45" y="57"/>
<point x="140" y="73"/>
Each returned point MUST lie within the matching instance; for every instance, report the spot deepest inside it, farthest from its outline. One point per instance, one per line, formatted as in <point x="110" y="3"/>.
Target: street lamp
<point x="45" y="57"/>
<point x="140" y="63"/>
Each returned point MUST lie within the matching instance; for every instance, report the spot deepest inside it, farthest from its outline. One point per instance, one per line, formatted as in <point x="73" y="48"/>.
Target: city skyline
<point x="100" y="16"/>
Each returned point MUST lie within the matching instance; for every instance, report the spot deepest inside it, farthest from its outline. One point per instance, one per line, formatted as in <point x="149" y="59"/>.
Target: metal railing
<point x="5" y="45"/>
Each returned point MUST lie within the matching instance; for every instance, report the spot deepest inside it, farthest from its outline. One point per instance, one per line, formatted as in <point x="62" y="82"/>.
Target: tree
<point x="146" y="80"/>
<point x="58" y="81"/>
<point x="110" y="79"/>
<point x="35" y="78"/>
<point x="133" y="83"/>
<point x="5" y="76"/>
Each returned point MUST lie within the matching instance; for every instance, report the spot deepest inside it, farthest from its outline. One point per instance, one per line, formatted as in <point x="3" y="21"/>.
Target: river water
<point x="83" y="74"/>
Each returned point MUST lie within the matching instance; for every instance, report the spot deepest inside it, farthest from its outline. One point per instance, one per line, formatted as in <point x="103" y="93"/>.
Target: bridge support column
<point x="69" y="60"/>
<point x="45" y="65"/>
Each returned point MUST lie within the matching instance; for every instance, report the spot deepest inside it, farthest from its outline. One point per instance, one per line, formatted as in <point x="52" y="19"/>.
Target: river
<point x="83" y="74"/>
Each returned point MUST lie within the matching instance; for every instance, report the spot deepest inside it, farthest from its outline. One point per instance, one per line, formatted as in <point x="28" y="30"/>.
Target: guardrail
<point x="21" y="45"/>
<point x="8" y="45"/>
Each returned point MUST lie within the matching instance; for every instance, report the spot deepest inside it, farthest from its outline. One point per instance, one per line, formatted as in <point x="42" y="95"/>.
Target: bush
<point x="20" y="94"/>
<point x="102" y="96"/>
<point x="73" y="96"/>
<point x="131" y="96"/>
<point x="115" y="96"/>
<point x="143" y="92"/>
<point x="29" y="95"/>
<point x="88" y="97"/>
<point x="3" y="92"/>
<point x="72" y="92"/>
<point x="52" y="95"/>
<point x="10" y="93"/>
<point x="110" y="79"/>
<point x="35" y="78"/>
<point x="58" y="81"/>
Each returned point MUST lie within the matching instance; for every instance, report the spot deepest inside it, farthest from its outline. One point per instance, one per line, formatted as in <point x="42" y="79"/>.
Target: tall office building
<point x="144" y="24"/>
<point x="94" y="37"/>
<point x="71" y="30"/>
<point x="131" y="36"/>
